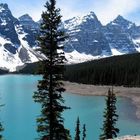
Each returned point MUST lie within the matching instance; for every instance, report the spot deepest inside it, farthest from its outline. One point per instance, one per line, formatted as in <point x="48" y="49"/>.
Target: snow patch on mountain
<point x="72" y="23"/>
<point x="8" y="61"/>
<point x="1" y="9"/>
<point x="89" y="16"/>
<point x="3" y="41"/>
<point x="115" y="51"/>
<point x="25" y="46"/>
<point x="4" y="23"/>
<point x="137" y="42"/>
<point x="76" y="57"/>
<point x="17" y="40"/>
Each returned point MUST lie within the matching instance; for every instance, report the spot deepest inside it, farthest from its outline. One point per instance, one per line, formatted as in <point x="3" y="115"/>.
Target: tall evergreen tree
<point x="50" y="88"/>
<point x="1" y="129"/>
<point x="77" y="130"/>
<point x="84" y="132"/>
<point x="109" y="129"/>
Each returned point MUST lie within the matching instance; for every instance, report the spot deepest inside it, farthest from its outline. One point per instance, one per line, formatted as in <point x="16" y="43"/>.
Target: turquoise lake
<point x="19" y="113"/>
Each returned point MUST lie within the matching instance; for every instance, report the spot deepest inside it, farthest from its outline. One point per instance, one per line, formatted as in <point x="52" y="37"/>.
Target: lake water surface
<point x="19" y="113"/>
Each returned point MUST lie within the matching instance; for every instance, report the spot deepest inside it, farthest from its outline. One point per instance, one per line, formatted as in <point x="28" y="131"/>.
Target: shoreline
<point x="132" y="93"/>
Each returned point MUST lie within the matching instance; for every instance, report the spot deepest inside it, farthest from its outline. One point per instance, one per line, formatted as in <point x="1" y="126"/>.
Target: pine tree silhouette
<point x="77" y="130"/>
<point x="110" y="116"/>
<point x="84" y="132"/>
<point x="50" y="88"/>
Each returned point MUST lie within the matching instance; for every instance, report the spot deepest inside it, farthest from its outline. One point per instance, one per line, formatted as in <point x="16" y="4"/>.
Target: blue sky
<point x="106" y="10"/>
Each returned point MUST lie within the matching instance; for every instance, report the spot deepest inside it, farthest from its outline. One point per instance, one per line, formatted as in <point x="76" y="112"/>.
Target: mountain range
<point x="88" y="39"/>
<point x="88" y="35"/>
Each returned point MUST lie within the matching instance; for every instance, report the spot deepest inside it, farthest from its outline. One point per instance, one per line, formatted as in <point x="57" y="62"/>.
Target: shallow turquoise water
<point x="19" y="113"/>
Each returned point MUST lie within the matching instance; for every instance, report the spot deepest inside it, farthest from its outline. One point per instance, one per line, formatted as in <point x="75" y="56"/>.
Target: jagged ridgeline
<point x="17" y="40"/>
<point x="117" y="70"/>
<point x="88" y="38"/>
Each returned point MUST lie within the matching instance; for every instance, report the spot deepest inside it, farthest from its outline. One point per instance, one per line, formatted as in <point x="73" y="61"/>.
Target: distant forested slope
<point x="30" y="68"/>
<point x="118" y="70"/>
<point x="3" y="72"/>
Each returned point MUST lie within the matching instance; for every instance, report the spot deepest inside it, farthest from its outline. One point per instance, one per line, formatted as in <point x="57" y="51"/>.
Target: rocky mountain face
<point x="87" y="35"/>
<point x="15" y="41"/>
<point x="31" y="28"/>
<point x="117" y="34"/>
<point x="28" y="22"/>
<point x="88" y="38"/>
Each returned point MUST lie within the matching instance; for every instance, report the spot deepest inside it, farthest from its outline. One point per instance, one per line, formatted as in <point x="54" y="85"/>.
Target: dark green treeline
<point x="118" y="70"/>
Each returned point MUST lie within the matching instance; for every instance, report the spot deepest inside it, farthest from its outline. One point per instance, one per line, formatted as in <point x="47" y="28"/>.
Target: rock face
<point x="7" y="28"/>
<point x="87" y="35"/>
<point x="28" y="22"/>
<point x="117" y="34"/>
<point x="31" y="28"/>
<point x="88" y="38"/>
<point x="15" y="41"/>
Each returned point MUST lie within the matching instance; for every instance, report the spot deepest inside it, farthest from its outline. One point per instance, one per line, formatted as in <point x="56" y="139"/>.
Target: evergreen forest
<point x="118" y="70"/>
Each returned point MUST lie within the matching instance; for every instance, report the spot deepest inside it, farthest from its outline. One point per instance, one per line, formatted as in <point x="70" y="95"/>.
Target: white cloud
<point x="106" y="10"/>
<point x="113" y="8"/>
<point x="68" y="9"/>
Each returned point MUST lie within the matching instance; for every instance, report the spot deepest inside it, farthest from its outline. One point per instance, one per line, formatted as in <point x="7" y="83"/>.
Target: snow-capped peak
<point x="4" y="11"/>
<point x="91" y="15"/>
<point x="119" y="17"/>
<point x="28" y="23"/>
<point x="3" y="6"/>
<point x="72" y="23"/>
<point x="122" y="22"/>
<point x="15" y="41"/>
<point x="25" y="17"/>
